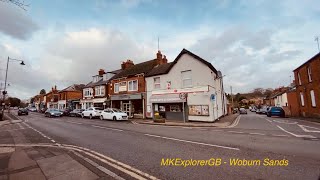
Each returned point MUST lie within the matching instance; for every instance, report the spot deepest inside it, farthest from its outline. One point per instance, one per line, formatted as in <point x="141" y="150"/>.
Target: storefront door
<point x="126" y="108"/>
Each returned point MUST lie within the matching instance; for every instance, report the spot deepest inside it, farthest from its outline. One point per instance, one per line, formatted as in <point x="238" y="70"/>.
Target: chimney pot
<point x="101" y="72"/>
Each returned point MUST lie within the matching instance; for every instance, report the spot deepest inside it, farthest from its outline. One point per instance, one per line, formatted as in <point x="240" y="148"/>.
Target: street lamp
<point x="5" y="81"/>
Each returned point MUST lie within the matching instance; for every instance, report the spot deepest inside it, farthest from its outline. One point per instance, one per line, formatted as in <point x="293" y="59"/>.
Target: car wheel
<point x="114" y="118"/>
<point x="101" y="117"/>
<point x="90" y="116"/>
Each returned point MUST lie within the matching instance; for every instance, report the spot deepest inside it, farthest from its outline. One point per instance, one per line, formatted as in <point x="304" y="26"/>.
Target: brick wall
<point x="306" y="86"/>
<point x="141" y="85"/>
<point x="293" y="104"/>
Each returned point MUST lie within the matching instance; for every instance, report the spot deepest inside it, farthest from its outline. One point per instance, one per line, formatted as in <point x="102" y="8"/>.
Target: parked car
<point x="264" y="110"/>
<point x="92" y="112"/>
<point x="53" y="113"/>
<point x="22" y="111"/>
<point x="66" y="112"/>
<point x="43" y="110"/>
<point x="243" y="111"/>
<point x="76" y="112"/>
<point x="113" y="114"/>
<point x="235" y="110"/>
<point x="276" y="111"/>
<point x="32" y="109"/>
<point x="258" y="111"/>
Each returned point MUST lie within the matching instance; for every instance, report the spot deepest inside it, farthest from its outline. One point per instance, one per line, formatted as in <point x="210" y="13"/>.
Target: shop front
<point x="169" y="106"/>
<point x="132" y="104"/>
<point x="100" y="102"/>
<point x="86" y="103"/>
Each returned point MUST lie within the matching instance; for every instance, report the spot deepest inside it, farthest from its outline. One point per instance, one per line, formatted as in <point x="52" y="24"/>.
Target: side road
<point x="25" y="154"/>
<point x="223" y="122"/>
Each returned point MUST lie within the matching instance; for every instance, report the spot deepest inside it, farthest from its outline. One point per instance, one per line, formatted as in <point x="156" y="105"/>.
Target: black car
<point x="76" y="112"/>
<point x="22" y="111"/>
<point x="276" y="111"/>
<point x="66" y="112"/>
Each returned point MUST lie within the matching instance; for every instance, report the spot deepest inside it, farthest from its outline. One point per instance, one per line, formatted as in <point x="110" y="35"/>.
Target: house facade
<point x="51" y="98"/>
<point x="187" y="89"/>
<point x="95" y="93"/>
<point x="128" y="88"/>
<point x="307" y="78"/>
<point x="70" y="97"/>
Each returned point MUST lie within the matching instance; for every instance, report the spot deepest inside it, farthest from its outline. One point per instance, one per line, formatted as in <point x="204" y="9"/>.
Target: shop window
<point x="199" y="110"/>
<point x="156" y="82"/>
<point x="313" y="99"/>
<point x="175" y="108"/>
<point x="186" y="77"/>
<point x="133" y="85"/>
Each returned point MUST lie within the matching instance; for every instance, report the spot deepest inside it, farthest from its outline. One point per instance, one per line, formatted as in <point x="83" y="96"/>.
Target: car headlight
<point x="52" y="113"/>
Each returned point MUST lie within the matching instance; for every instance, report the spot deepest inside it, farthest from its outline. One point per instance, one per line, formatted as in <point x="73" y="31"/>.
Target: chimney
<point x="127" y="64"/>
<point x="101" y="72"/>
<point x="51" y="89"/>
<point x="55" y="87"/>
<point x="161" y="60"/>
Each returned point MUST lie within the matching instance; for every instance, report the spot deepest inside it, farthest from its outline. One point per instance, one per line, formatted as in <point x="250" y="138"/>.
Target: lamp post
<point x="5" y="81"/>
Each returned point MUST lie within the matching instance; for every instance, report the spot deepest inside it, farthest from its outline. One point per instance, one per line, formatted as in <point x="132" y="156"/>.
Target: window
<point x="87" y="92"/>
<point x="309" y="74"/>
<point x="299" y="79"/>
<point x="99" y="91"/>
<point x="302" y="99"/>
<point x="156" y="83"/>
<point x="175" y="108"/>
<point x="133" y="85"/>
<point x="313" y="99"/>
<point x="123" y="86"/>
<point x="116" y="87"/>
<point x="186" y="77"/>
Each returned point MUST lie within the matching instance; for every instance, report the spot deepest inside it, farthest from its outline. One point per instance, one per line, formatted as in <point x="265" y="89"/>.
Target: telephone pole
<point x="231" y="97"/>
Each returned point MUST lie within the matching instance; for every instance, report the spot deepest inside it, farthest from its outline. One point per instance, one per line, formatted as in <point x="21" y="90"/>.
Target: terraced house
<point x="95" y="93"/>
<point x="307" y="78"/>
<point x="51" y="98"/>
<point x="70" y="97"/>
<point x="128" y="88"/>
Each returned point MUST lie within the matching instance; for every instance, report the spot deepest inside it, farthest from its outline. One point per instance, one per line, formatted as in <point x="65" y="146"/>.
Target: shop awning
<point x="166" y="98"/>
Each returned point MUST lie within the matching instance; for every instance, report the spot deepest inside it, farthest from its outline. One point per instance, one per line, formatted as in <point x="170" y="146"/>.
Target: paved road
<point x="253" y="137"/>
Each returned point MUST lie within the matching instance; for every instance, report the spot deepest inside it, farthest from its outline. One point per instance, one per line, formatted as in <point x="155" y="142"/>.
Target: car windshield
<point x="98" y="108"/>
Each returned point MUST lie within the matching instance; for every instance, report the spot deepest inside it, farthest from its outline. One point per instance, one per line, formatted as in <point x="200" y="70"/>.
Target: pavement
<point x="222" y="122"/>
<point x="136" y="151"/>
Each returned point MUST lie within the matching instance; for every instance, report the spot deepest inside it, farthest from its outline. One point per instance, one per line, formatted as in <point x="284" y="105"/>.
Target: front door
<point x="126" y="108"/>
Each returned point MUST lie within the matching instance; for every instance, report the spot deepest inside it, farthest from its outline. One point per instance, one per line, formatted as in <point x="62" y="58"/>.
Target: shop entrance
<point x="126" y="107"/>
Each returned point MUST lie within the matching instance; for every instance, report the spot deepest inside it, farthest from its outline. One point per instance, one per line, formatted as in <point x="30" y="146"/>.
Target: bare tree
<point x="18" y="3"/>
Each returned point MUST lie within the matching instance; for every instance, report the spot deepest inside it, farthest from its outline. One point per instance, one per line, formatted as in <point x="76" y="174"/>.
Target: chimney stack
<point x="161" y="60"/>
<point x="127" y="64"/>
<point x="101" y="72"/>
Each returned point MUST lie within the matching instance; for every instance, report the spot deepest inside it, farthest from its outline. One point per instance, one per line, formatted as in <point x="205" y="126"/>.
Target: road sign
<point x="213" y="97"/>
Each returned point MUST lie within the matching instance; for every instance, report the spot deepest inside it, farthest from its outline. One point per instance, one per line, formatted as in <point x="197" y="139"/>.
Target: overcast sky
<point x="254" y="43"/>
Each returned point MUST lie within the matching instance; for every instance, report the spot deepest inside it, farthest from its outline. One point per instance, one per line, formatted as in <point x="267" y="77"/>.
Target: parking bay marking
<point x="193" y="142"/>
<point x="295" y="135"/>
<point x="303" y="127"/>
<point x="73" y="122"/>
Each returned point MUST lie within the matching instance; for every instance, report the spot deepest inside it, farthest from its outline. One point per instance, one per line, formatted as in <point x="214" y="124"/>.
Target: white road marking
<point x="280" y="135"/>
<point x="284" y="122"/>
<point x="295" y="135"/>
<point x="235" y="123"/>
<point x="73" y="122"/>
<point x="193" y="142"/>
<point x="257" y="134"/>
<point x="106" y="128"/>
<point x="238" y="132"/>
<point x="268" y="120"/>
<point x="303" y="127"/>
<point x="53" y="141"/>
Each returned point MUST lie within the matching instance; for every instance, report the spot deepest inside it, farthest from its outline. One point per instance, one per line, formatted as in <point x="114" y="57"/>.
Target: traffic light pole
<point x="5" y="89"/>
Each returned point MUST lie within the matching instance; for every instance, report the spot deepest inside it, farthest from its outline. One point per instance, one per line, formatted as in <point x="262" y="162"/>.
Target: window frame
<point x="131" y="81"/>
<point x="313" y="100"/>
<point x="114" y="88"/>
<point x="155" y="84"/>
<point x="186" y="79"/>
<point x="309" y="72"/>
<point x="299" y="79"/>
<point x="302" y="99"/>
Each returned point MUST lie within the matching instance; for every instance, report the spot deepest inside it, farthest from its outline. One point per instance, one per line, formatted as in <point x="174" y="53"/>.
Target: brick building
<point x="307" y="78"/>
<point x="70" y="97"/>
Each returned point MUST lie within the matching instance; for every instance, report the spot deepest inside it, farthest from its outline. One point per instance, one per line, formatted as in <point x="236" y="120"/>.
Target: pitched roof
<point x="92" y="84"/>
<point x="167" y="67"/>
<point x="160" y="69"/>
<point x="311" y="59"/>
<point x="74" y="87"/>
<point x="144" y="67"/>
<point x="115" y="71"/>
